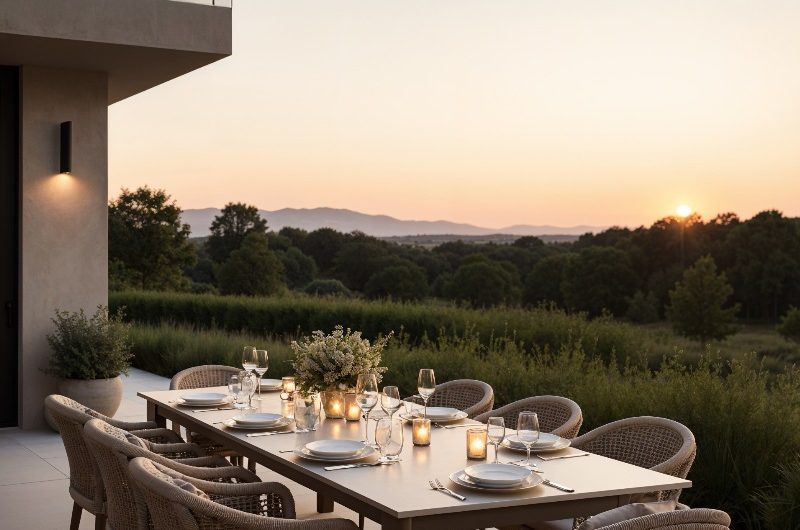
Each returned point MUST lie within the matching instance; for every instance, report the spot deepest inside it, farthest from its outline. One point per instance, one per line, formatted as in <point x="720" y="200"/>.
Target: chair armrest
<point x="203" y="461"/>
<point x="177" y="450"/>
<point x="247" y="497"/>
<point x="159" y="435"/>
<point x="130" y="425"/>
<point x="227" y="474"/>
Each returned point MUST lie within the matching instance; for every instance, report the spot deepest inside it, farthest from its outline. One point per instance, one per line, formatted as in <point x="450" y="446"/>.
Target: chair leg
<point x="360" y="522"/>
<point x="251" y="465"/>
<point x="99" y="522"/>
<point x="75" y="522"/>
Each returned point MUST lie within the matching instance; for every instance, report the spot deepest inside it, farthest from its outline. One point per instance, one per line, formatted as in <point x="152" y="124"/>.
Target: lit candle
<point x="288" y="387"/>
<point x="476" y="444"/>
<point x="421" y="431"/>
<point x="334" y="404"/>
<point x="352" y="412"/>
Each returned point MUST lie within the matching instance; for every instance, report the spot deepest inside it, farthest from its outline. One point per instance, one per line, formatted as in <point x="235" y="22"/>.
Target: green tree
<point x="148" y="245"/>
<point x="790" y="324"/>
<point x="327" y="287"/>
<point x="403" y="281"/>
<point x="600" y="278"/>
<point x="298" y="269"/>
<point x="230" y="228"/>
<point x="642" y="308"/>
<point x="251" y="269"/>
<point x="358" y="260"/>
<point x="696" y="304"/>
<point x="544" y="283"/>
<point x="323" y="244"/>
<point x="484" y="283"/>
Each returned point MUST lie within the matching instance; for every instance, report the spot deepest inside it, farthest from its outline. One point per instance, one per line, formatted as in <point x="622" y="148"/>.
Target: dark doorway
<point x="9" y="275"/>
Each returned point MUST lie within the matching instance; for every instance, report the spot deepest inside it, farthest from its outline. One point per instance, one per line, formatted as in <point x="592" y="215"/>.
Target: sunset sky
<point x="490" y="112"/>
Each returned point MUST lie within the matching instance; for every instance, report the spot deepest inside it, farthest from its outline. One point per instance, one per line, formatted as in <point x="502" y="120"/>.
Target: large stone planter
<point x="102" y="395"/>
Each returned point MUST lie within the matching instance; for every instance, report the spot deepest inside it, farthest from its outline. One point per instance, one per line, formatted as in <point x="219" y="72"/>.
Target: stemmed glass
<point x="389" y="437"/>
<point x="528" y="432"/>
<point x="249" y="358"/>
<point x="426" y="386"/>
<point x="262" y="365"/>
<point x="496" y="432"/>
<point x="367" y="398"/>
<point x="248" y="382"/>
<point x="390" y="400"/>
<point x="235" y="387"/>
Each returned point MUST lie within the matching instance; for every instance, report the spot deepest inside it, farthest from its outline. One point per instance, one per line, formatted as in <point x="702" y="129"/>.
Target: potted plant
<point x="330" y="364"/>
<point x="89" y="355"/>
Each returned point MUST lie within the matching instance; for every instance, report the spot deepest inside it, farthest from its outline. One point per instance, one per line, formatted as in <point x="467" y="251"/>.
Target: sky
<point x="492" y="112"/>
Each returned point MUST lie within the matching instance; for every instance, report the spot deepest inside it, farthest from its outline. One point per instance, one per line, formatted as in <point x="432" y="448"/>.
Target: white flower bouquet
<point x="326" y="362"/>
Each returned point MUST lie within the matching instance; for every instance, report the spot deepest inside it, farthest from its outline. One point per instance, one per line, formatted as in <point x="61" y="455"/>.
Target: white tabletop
<point x="402" y="489"/>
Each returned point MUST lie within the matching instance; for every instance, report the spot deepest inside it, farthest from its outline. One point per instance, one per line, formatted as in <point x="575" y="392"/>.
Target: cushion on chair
<point x="624" y="513"/>
<point x="177" y="479"/>
<point x="135" y="440"/>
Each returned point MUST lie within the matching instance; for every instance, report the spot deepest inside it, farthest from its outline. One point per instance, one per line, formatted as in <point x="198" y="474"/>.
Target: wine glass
<point x="262" y="365"/>
<point x="426" y="386"/>
<point x="249" y="358"/>
<point x="367" y="398"/>
<point x="235" y="387"/>
<point x="389" y="437"/>
<point x="390" y="400"/>
<point x="528" y="432"/>
<point x="248" y="382"/>
<point x="496" y="431"/>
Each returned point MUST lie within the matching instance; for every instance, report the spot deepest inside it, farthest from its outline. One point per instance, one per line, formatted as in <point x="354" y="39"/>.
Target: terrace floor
<point x="34" y="471"/>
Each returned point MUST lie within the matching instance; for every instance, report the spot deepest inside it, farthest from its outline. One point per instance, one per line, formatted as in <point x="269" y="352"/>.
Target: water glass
<point x="389" y="436"/>
<point x="496" y="432"/>
<point x="390" y="400"/>
<point x="235" y="388"/>
<point x="306" y="411"/>
<point x="262" y="365"/>
<point x="249" y="358"/>
<point x="528" y="431"/>
<point x="426" y="386"/>
<point x="249" y="382"/>
<point x="367" y="398"/>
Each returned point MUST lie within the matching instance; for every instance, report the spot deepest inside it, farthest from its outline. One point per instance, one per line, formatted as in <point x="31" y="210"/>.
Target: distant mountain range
<point x="375" y="225"/>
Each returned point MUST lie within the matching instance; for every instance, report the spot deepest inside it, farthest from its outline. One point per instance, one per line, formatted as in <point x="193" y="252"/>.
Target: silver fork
<point x="436" y="485"/>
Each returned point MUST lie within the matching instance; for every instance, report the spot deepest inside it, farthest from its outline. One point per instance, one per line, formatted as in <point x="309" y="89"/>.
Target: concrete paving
<point x="34" y="472"/>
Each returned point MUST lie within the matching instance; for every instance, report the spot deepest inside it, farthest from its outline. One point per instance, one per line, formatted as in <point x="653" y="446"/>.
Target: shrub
<point x="642" y="308"/>
<point x="780" y="504"/>
<point x="89" y="348"/>
<point x="790" y="324"/>
<point x="327" y="288"/>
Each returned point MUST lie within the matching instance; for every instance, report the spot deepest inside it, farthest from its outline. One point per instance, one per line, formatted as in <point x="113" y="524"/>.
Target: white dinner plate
<point x="302" y="452"/>
<point x="262" y="419"/>
<point x="458" y="417"/>
<point x="202" y="398"/>
<point x="335" y="448"/>
<point x="438" y="413"/>
<point x="461" y="478"/>
<point x="183" y="402"/>
<point x="230" y="422"/>
<point x="497" y="474"/>
<point x="271" y="384"/>
<point x="546" y="443"/>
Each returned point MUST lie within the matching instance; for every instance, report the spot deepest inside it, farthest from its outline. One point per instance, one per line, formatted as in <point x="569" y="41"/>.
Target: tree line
<point x="628" y="273"/>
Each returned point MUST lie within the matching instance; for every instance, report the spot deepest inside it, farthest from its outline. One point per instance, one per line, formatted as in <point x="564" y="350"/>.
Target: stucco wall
<point x="63" y="218"/>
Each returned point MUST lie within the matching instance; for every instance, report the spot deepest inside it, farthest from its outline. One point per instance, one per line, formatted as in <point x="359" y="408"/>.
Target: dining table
<point x="399" y="496"/>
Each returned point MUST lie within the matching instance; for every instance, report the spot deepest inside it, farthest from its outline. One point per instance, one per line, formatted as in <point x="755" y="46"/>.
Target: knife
<point x="353" y="466"/>
<point x="558" y="486"/>
<point x="559" y="457"/>
<point x="212" y="410"/>
<point x="254" y="434"/>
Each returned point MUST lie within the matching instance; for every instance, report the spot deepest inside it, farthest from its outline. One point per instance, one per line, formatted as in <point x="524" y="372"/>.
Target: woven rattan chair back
<point x="203" y="376"/>
<point x="85" y="485"/>
<point x="112" y="449"/>
<point x="659" y="444"/>
<point x="557" y="414"/>
<point x="471" y="396"/>
<point x="691" y="519"/>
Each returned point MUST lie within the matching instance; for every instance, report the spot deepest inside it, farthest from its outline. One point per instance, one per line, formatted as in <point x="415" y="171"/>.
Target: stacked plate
<point x="204" y="399"/>
<point x="546" y="443"/>
<point x="257" y="421"/>
<point x="271" y="385"/>
<point x="496" y="477"/>
<point x="334" y="450"/>
<point x="438" y="414"/>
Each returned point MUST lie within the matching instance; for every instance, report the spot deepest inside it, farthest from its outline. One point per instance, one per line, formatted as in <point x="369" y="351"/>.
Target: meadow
<point x="743" y="408"/>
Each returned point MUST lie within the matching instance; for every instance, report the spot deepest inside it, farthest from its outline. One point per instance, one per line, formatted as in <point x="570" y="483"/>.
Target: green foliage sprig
<point x="335" y="360"/>
<point x="96" y="347"/>
<point x="790" y="324"/>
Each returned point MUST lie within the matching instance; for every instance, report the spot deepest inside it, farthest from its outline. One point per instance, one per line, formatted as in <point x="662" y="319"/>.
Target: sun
<point x="684" y="210"/>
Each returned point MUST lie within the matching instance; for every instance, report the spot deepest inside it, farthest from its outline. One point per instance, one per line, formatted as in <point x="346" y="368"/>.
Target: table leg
<point x="153" y="415"/>
<point x="324" y="504"/>
<point x="390" y="523"/>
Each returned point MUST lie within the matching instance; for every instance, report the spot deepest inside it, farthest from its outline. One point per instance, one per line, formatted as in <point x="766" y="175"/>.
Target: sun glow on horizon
<point x="684" y="210"/>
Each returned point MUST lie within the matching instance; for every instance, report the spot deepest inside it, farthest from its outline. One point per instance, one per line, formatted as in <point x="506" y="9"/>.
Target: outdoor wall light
<point x="65" y="165"/>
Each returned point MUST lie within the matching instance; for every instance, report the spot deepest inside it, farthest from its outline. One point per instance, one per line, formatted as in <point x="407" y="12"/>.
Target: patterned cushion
<point x="177" y="479"/>
<point x="624" y="513"/>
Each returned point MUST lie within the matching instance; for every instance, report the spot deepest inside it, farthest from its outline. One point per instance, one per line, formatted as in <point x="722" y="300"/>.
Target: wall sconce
<point x="65" y="165"/>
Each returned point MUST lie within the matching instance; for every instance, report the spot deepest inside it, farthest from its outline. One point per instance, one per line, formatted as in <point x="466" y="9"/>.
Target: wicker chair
<point x="257" y="506"/>
<point x="557" y="415"/>
<point x="202" y="377"/>
<point x="112" y="449"/>
<point x="689" y="519"/>
<point x="85" y="484"/>
<point x="659" y="444"/>
<point x="471" y="396"/>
